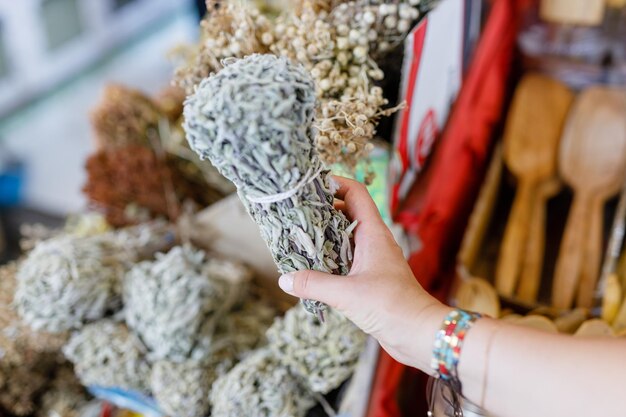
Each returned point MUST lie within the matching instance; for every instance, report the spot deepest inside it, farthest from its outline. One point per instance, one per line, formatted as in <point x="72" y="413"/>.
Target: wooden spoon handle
<point x="532" y="264"/>
<point x="514" y="241"/>
<point x="593" y="255"/>
<point x="568" y="264"/>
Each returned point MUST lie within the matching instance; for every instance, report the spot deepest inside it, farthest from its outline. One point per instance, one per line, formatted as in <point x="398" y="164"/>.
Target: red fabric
<point x="438" y="206"/>
<point x="418" y="46"/>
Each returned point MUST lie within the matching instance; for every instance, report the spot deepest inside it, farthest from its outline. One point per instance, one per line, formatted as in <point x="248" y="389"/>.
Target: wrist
<point x="425" y="324"/>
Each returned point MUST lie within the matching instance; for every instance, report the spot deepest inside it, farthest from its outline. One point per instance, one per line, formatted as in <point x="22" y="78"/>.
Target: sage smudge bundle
<point x="106" y="354"/>
<point x="253" y="121"/>
<point x="182" y="389"/>
<point x="259" y="386"/>
<point x="321" y="355"/>
<point x="65" y="282"/>
<point x="175" y="302"/>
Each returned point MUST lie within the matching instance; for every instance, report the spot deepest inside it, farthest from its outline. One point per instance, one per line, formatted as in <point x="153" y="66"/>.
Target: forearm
<point x="515" y="371"/>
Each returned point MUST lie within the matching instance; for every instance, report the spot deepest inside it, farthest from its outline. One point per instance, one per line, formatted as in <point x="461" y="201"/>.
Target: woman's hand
<point x="380" y="295"/>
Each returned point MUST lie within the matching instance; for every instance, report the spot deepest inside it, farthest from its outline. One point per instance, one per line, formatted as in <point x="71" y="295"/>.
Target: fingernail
<point x="285" y="282"/>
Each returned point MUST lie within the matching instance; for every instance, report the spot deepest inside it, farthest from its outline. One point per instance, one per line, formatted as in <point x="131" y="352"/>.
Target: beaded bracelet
<point x="448" y="345"/>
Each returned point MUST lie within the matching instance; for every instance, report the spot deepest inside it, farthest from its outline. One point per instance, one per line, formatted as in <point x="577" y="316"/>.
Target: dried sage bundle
<point x="322" y="355"/>
<point x="253" y="121"/>
<point x="175" y="302"/>
<point x="65" y="282"/>
<point x="259" y="386"/>
<point x="106" y="354"/>
<point x="182" y="389"/>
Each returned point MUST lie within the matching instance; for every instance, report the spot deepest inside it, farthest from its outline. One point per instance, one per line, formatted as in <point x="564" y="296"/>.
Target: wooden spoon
<point x="592" y="161"/>
<point x="593" y="328"/>
<point x="535" y="247"/>
<point x="538" y="322"/>
<point x="531" y="141"/>
<point x="476" y="294"/>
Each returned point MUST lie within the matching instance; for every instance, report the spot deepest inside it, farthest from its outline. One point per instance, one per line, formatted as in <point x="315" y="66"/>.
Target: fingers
<point x="315" y="285"/>
<point x="358" y="205"/>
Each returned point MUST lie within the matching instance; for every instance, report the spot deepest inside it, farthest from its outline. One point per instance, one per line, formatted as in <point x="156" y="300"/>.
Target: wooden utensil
<point x="592" y="160"/>
<point x="531" y="141"/>
<point x="610" y="287"/>
<point x="612" y="300"/>
<point x="594" y="327"/>
<point x="537" y="322"/>
<point x="572" y="12"/>
<point x="570" y="321"/>
<point x="476" y="294"/>
<point x="532" y="264"/>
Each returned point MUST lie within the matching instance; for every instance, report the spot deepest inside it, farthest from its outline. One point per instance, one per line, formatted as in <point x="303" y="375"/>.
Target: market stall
<point x="490" y="134"/>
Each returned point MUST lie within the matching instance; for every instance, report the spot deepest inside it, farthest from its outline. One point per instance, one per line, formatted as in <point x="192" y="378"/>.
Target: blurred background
<point x="55" y="58"/>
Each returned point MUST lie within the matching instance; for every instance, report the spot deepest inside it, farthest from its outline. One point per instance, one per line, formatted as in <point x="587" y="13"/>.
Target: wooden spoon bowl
<point x="592" y="161"/>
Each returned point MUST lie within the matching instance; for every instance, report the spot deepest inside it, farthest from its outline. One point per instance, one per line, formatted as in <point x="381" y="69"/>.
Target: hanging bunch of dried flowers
<point x="133" y="184"/>
<point x="253" y="120"/>
<point x="230" y="29"/>
<point x="142" y="168"/>
<point x="337" y="41"/>
<point x="125" y="117"/>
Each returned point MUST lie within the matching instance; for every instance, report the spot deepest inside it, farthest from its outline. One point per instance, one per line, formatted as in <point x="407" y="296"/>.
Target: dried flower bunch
<point x="253" y="121"/>
<point x="136" y="177"/>
<point x="230" y="29"/>
<point x="65" y="282"/>
<point x="175" y="302"/>
<point x="125" y="117"/>
<point x="106" y="353"/>
<point x="142" y="169"/>
<point x="337" y="41"/>
<point x="322" y="355"/>
<point x="170" y="101"/>
<point x="259" y="386"/>
<point x="335" y="47"/>
<point x="21" y="380"/>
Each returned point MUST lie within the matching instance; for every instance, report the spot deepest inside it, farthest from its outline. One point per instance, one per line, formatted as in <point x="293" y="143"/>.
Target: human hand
<point x="380" y="294"/>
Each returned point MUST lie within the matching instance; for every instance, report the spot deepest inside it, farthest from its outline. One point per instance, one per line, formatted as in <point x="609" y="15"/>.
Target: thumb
<point x="315" y="285"/>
